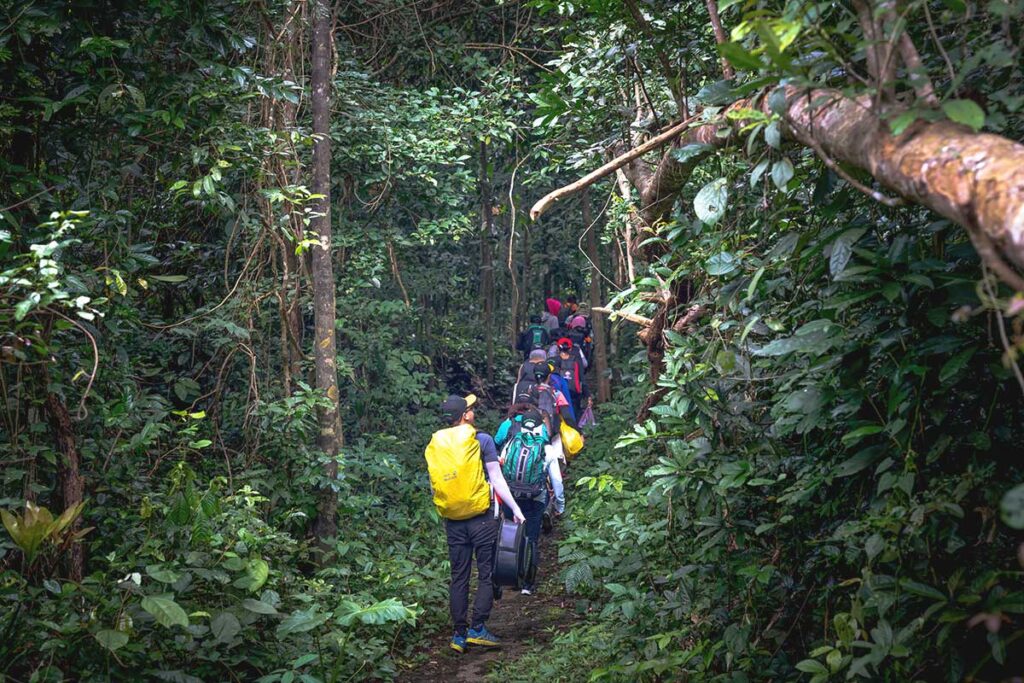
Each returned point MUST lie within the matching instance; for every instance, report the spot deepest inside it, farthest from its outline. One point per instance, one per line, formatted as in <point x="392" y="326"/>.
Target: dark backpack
<point x="523" y="459"/>
<point x="536" y="337"/>
<point x="528" y="391"/>
<point x="570" y="370"/>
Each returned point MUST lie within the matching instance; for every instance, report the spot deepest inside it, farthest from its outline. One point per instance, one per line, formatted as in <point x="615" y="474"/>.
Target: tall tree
<point x="487" y="259"/>
<point x="600" y="338"/>
<point x="329" y="438"/>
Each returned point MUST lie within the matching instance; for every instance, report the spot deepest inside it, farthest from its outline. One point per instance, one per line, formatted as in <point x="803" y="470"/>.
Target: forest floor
<point x="522" y="622"/>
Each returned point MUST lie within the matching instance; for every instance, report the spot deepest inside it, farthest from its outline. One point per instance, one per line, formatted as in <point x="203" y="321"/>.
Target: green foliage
<point x="36" y="530"/>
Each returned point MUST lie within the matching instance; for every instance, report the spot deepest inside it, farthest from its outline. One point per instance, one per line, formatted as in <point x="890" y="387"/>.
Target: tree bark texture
<point x="596" y="299"/>
<point x="279" y="170"/>
<point x="720" y="38"/>
<point x="71" y="488"/>
<point x="324" y="348"/>
<point x="973" y="179"/>
<point x="487" y="260"/>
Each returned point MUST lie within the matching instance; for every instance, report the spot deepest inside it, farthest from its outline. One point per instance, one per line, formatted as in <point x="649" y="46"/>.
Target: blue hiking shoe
<point x="481" y="636"/>
<point x="458" y="642"/>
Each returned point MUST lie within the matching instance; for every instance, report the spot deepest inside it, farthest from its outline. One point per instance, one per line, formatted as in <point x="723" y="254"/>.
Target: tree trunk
<point x="71" y="488"/>
<point x="596" y="300"/>
<point x="280" y="115"/>
<point x="973" y="179"/>
<point x="324" y="349"/>
<point x="487" y="261"/>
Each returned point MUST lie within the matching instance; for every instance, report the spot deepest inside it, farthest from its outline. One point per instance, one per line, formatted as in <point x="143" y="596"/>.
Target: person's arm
<point x="502" y="434"/>
<point x="497" y="480"/>
<point x="555" y="477"/>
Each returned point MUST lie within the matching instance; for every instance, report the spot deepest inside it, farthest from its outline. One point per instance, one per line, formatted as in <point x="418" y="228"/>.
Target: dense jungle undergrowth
<point x="247" y="247"/>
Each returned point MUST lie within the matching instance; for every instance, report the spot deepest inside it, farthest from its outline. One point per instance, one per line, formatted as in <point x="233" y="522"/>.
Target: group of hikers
<point x="518" y="471"/>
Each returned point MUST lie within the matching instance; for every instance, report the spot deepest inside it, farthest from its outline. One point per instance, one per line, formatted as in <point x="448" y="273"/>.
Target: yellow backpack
<point x="457" y="473"/>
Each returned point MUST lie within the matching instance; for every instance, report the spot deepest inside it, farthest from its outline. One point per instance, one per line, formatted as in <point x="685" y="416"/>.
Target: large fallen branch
<point x="973" y="179"/>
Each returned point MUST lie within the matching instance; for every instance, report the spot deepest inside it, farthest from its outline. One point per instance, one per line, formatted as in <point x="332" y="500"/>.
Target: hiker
<point x="582" y="337"/>
<point x="536" y="357"/>
<point x="568" y="310"/>
<point x="539" y="391"/>
<point x="529" y="471"/>
<point x="535" y="336"/>
<point x="553" y="404"/>
<point x="549" y="317"/>
<point x="456" y="458"/>
<point x="572" y="367"/>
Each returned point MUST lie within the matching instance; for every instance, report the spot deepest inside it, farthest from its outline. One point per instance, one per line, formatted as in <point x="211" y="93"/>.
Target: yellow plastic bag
<point x="457" y="473"/>
<point x="572" y="440"/>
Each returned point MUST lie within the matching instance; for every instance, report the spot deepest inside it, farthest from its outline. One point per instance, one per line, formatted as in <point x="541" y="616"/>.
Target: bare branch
<point x="586" y="181"/>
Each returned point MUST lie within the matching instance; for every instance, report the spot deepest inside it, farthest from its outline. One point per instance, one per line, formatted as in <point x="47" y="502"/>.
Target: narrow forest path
<point x="522" y="622"/>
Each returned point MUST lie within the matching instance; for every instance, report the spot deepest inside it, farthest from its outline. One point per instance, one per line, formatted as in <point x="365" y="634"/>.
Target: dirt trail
<point x="521" y="622"/>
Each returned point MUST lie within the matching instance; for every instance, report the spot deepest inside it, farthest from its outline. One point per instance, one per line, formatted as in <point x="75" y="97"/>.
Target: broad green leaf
<point x="378" y="613"/>
<point x="954" y="365"/>
<point x="169" y="278"/>
<point x="860" y="432"/>
<point x="301" y="621"/>
<point x="782" y="173"/>
<point x="710" y="203"/>
<point x="162" y="574"/>
<point x="811" y="666"/>
<point x="258" y="606"/>
<point x="856" y="463"/>
<point x="966" y="112"/>
<point x="166" y="611"/>
<point x="901" y="122"/>
<point x="687" y="152"/>
<point x="256" y="573"/>
<point x="722" y="264"/>
<point x="739" y="57"/>
<point x="922" y="590"/>
<point x="842" y="250"/>
<point x="225" y="626"/>
<point x="110" y="639"/>
<point x="1012" y="507"/>
<point x="22" y="308"/>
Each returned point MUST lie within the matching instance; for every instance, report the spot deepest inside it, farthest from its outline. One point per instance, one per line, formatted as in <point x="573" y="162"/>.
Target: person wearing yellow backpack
<point x="457" y="458"/>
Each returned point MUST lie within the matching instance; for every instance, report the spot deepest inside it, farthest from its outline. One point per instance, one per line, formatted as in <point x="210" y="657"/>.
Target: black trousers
<point x="466" y="538"/>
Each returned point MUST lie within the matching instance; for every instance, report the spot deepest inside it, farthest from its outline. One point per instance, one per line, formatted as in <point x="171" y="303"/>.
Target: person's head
<point x="541" y="373"/>
<point x="538" y="356"/>
<point x="531" y="419"/>
<point x="553" y="305"/>
<point x="571" y="301"/>
<point x="457" y="410"/>
<point x="535" y="318"/>
<point x="564" y="346"/>
<point x="577" y="322"/>
<point x="523" y="404"/>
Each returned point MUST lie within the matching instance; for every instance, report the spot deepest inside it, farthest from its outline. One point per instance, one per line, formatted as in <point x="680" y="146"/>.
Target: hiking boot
<point x="458" y="642"/>
<point x="527" y="590"/>
<point x="481" y="636"/>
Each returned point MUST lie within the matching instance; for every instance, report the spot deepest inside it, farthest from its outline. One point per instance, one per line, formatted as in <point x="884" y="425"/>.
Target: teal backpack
<point x="538" y="336"/>
<point x="523" y="458"/>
